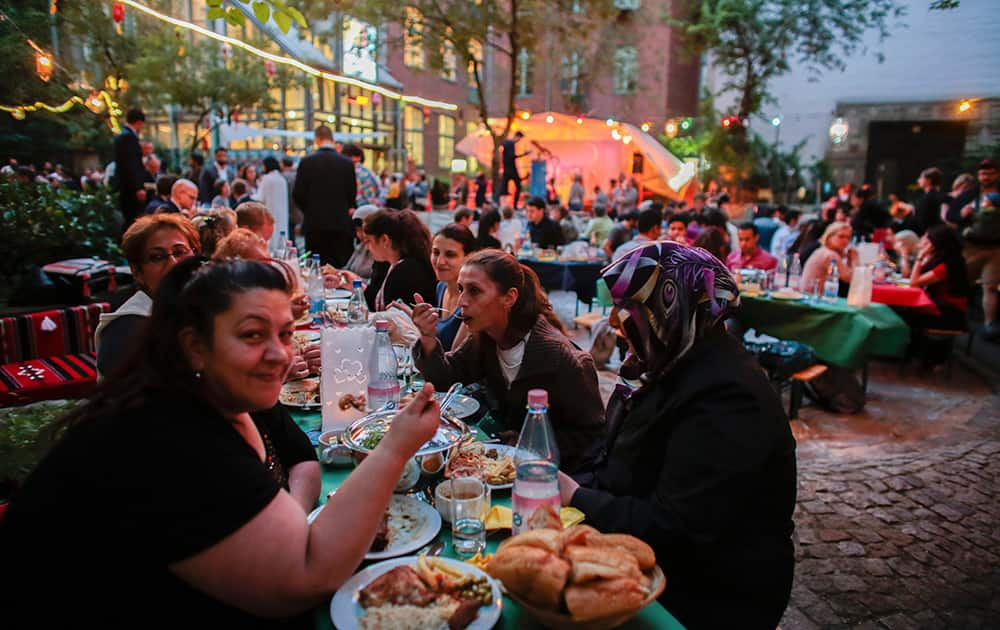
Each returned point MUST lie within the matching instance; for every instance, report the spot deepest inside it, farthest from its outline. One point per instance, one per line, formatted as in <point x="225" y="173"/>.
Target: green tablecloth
<point x="652" y="616"/>
<point x="841" y="334"/>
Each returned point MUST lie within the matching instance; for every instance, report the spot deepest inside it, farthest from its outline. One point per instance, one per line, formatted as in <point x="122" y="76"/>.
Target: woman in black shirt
<point x="166" y="503"/>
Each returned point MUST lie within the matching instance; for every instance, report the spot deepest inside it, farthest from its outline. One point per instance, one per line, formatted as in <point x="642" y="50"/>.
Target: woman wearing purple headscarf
<point x="699" y="460"/>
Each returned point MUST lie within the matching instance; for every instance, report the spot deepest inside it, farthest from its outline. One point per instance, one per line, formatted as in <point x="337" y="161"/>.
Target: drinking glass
<point x="816" y="291"/>
<point x="470" y="504"/>
<point x="405" y="360"/>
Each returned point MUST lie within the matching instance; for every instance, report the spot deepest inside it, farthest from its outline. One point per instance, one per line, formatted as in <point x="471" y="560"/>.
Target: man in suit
<point x="325" y="189"/>
<point x="129" y="168"/>
<point x="220" y="169"/>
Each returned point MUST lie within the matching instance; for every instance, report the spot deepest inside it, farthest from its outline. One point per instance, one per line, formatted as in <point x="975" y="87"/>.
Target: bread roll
<point x="580" y="535"/>
<point x="593" y="563"/>
<point x="643" y="553"/>
<point x="545" y="539"/>
<point x="532" y="573"/>
<point x="604" y="598"/>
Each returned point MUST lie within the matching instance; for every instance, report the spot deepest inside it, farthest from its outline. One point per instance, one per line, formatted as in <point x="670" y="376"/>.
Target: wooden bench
<point x="798" y="381"/>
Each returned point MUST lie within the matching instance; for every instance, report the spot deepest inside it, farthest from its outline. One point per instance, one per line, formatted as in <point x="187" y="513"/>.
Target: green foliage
<point x="26" y="435"/>
<point x="754" y="41"/>
<point x="42" y="224"/>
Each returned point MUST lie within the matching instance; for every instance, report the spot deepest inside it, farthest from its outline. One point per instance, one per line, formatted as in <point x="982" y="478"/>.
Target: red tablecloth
<point x="910" y="297"/>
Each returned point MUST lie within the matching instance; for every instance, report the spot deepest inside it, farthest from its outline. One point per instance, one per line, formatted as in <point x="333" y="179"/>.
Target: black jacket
<point x="409" y="276"/>
<point x="701" y="465"/>
<point x="550" y="362"/>
<point x="325" y="189"/>
<point x="206" y="182"/>
<point x="928" y="210"/>
<point x="546" y="233"/>
<point x="129" y="172"/>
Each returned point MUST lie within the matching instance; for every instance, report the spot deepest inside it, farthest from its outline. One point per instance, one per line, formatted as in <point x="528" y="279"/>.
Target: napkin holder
<point x="344" y="355"/>
<point x="860" y="292"/>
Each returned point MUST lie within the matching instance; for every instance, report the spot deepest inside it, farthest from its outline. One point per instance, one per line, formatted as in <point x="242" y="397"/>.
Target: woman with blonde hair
<point x="834" y="247"/>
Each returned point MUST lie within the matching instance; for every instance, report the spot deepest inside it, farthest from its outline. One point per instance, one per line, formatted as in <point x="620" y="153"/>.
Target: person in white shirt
<point x="272" y="191"/>
<point x="511" y="228"/>
<point x="787" y="232"/>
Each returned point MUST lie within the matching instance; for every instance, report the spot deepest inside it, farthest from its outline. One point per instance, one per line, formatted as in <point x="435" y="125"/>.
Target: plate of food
<point x="364" y="434"/>
<point x="303" y="393"/>
<point x="492" y="463"/>
<point x="407" y="525"/>
<point x="417" y="592"/>
<point x="786" y="294"/>
<point x="578" y="577"/>
<point x="306" y="337"/>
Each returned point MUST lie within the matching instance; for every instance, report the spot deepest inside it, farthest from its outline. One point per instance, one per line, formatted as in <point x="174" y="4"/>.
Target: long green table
<point x="841" y="334"/>
<point x="652" y="616"/>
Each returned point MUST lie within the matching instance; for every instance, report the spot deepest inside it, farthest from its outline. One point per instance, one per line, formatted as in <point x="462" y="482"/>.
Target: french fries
<point x="439" y="575"/>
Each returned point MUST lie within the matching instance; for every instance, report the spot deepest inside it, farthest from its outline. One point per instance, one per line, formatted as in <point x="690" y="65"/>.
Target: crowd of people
<point x="196" y="482"/>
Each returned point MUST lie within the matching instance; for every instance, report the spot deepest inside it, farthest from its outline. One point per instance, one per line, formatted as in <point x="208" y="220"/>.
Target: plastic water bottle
<point x="383" y="387"/>
<point x="536" y="463"/>
<point x="357" y="307"/>
<point x="317" y="303"/>
<point x="795" y="273"/>
<point x="832" y="285"/>
<point x="279" y="252"/>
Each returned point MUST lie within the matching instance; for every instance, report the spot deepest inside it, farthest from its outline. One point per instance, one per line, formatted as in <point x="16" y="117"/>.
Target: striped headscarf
<point x="667" y="295"/>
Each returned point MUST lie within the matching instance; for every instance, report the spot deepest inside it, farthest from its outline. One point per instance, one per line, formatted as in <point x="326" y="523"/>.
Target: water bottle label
<point x="380" y="394"/>
<point x="525" y="507"/>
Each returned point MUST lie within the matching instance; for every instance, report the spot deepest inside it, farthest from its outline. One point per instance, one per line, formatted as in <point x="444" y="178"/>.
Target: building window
<point x="626" y="70"/>
<point x="449" y="62"/>
<point x="526" y="72"/>
<point x="413" y="41"/>
<point x="446" y="141"/>
<point x="413" y="134"/>
<point x="569" y="83"/>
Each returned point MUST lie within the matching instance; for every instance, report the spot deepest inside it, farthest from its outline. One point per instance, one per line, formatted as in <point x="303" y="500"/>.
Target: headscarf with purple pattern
<point x="668" y="295"/>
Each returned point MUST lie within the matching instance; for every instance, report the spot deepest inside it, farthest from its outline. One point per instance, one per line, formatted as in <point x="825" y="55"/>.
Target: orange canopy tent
<point x="594" y="149"/>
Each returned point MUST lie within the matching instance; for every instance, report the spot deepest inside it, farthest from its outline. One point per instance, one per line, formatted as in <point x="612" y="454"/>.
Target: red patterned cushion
<point x="49" y="333"/>
<point x="64" y="376"/>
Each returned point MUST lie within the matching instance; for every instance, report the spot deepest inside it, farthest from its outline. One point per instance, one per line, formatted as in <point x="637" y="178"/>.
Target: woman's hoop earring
<point x="197" y="375"/>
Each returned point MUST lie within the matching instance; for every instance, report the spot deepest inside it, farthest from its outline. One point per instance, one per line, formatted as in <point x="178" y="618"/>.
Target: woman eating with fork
<point x="516" y="343"/>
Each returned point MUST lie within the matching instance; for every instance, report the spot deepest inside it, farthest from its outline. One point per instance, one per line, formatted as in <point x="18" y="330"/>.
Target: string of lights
<point x="288" y="61"/>
<point x="98" y="102"/>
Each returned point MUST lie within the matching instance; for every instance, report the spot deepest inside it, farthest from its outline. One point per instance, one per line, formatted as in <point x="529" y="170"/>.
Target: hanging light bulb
<point x="43" y="66"/>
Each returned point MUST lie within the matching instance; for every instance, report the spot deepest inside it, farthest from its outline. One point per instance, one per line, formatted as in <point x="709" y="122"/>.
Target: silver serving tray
<point x="450" y="432"/>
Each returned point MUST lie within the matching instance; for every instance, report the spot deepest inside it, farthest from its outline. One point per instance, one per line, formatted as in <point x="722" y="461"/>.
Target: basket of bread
<point x="578" y="577"/>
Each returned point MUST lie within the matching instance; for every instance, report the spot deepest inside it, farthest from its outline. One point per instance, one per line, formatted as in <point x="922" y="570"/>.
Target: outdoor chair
<point x="49" y="354"/>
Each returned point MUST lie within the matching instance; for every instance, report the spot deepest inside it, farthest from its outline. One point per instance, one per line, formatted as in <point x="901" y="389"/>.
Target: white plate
<point x="339" y="295"/>
<point x="295" y="384"/>
<point x="406" y="534"/>
<point x="502" y="450"/>
<point x="306" y="337"/>
<point x="791" y="295"/>
<point x="345" y="609"/>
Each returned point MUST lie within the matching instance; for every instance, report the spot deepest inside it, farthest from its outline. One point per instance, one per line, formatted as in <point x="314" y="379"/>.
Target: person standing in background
<point x="368" y="191"/>
<point x="928" y="210"/>
<point x="294" y="214"/>
<point x="212" y="173"/>
<point x="273" y="193"/>
<point x="325" y="189"/>
<point x="129" y="168"/>
<point x="509" y="160"/>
